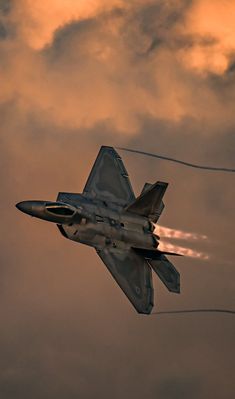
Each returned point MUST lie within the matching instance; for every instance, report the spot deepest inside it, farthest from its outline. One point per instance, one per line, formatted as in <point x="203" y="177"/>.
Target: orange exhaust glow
<point x="167" y="232"/>
<point x="166" y="246"/>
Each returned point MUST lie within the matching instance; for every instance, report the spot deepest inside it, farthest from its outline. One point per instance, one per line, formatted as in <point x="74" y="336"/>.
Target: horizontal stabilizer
<point x="167" y="273"/>
<point x="149" y="203"/>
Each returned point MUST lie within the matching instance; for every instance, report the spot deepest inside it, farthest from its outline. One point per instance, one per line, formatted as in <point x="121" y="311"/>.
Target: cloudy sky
<point x="154" y="75"/>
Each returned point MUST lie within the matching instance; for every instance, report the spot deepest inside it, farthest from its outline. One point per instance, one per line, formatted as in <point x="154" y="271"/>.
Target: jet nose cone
<point x="25" y="206"/>
<point x="32" y="208"/>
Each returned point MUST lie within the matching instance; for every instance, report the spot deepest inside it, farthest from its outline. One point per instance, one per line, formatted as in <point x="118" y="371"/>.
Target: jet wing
<point x="133" y="274"/>
<point x="108" y="179"/>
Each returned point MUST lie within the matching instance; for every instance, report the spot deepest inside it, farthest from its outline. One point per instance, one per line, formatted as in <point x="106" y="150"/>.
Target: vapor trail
<point x="218" y="169"/>
<point x="195" y="311"/>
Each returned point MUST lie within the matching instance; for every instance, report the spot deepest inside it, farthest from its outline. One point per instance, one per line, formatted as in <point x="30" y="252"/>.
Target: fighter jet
<point x="108" y="217"/>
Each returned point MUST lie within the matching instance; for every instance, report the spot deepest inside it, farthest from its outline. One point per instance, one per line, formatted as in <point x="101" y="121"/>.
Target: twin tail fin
<point x="149" y="203"/>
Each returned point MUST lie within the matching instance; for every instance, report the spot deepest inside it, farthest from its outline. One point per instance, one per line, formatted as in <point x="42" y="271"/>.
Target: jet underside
<point x="108" y="217"/>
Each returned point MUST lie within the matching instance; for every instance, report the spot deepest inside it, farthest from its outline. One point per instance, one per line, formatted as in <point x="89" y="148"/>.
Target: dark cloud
<point x="5" y="6"/>
<point x="156" y="21"/>
<point x="178" y="388"/>
<point x="3" y="32"/>
<point x="81" y="30"/>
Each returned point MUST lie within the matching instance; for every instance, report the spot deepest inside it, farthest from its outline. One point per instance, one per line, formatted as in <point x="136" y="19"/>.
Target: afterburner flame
<point x="166" y="232"/>
<point x="178" y="234"/>
<point x="166" y="246"/>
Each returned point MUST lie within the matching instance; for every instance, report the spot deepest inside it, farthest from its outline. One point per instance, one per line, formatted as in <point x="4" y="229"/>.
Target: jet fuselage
<point x="93" y="223"/>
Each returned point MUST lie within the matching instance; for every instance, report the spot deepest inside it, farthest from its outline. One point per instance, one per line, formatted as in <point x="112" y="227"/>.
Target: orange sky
<point x="153" y="75"/>
<point x="212" y="20"/>
<point x="37" y="22"/>
<point x="109" y="40"/>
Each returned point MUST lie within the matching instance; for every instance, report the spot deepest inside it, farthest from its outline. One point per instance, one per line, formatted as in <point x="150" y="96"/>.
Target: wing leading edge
<point x="108" y="179"/>
<point x="133" y="275"/>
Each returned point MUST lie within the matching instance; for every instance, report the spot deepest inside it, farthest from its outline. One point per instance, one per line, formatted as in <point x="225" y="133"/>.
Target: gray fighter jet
<point x="108" y="217"/>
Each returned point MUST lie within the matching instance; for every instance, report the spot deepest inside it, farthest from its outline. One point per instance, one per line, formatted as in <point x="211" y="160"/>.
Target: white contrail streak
<point x="212" y="168"/>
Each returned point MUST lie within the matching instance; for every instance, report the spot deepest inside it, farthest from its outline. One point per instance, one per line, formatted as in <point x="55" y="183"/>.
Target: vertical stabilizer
<point x="149" y="203"/>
